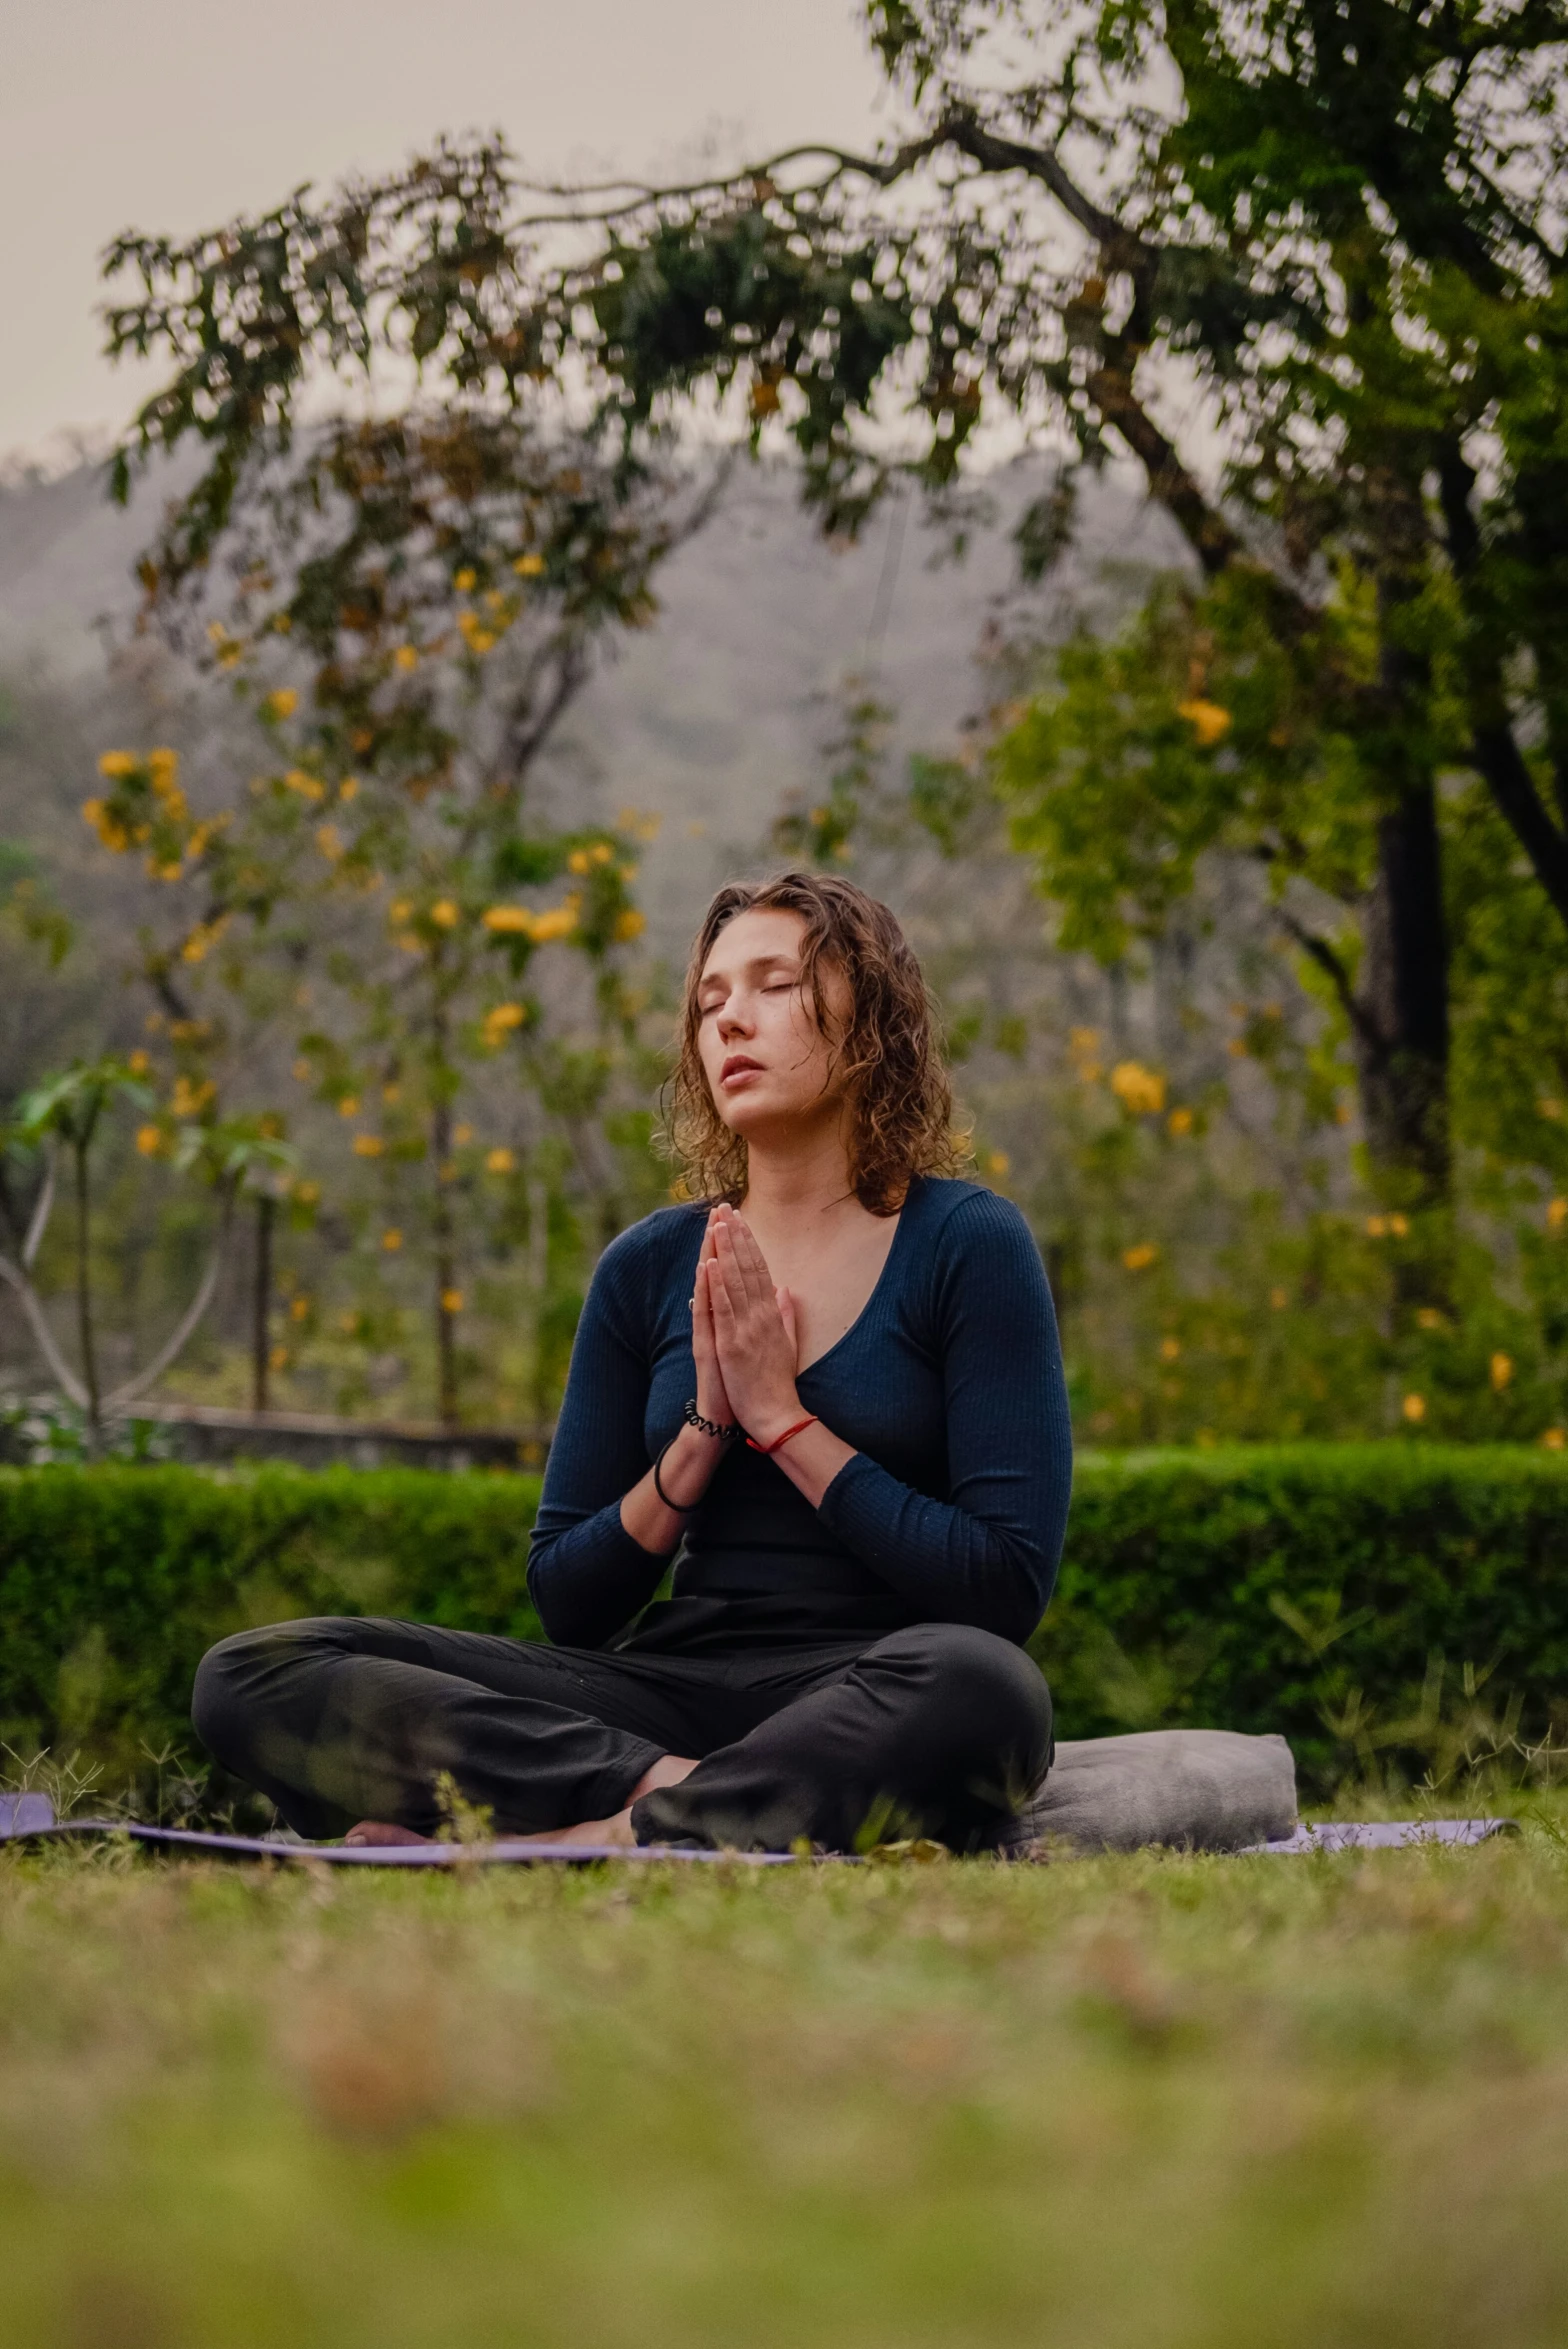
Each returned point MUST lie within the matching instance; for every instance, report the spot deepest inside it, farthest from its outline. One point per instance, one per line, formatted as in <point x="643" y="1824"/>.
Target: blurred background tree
<point x="1279" y="1067"/>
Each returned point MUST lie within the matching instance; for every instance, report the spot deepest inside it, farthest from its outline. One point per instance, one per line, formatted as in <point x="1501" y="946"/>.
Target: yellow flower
<point x="392" y="1093"/>
<point x="1414" y="1409"/>
<point x="189" y="1100"/>
<point x="1377" y="1227"/>
<point x="1549" y="1108"/>
<point x="282" y="702"/>
<point x="444" y="913"/>
<point x="999" y="1164"/>
<point x="349" y="1105"/>
<point x="529" y="566"/>
<point x="407" y="657"/>
<point x="1502" y="1370"/>
<point x="163" y="767"/>
<point x="578" y="861"/>
<point x="1279" y="1299"/>
<point x="1140" y="1090"/>
<point x="306" y="785"/>
<point x="475" y="635"/>
<point x="368" y="1145"/>
<point x="303" y="1072"/>
<point x="462" y="1134"/>
<point x="451" y="1300"/>
<point x="392" y="1240"/>
<point x="1208" y="721"/>
<point x="307" y="1193"/>
<point x="1557" y="1215"/>
<point x="348" y="1323"/>
<point x="299" y="1309"/>
<point x="1430" y="1318"/>
<point x="330" y="841"/>
<point x="278" y="1359"/>
<point x="501" y="1020"/>
<point x="465" y="580"/>
<point x="509" y="921"/>
<point x="116" y="764"/>
<point x="399" y="910"/>
<point x="1553" y="1438"/>
<point x="630" y="923"/>
<point x="559" y="922"/>
<point x="1399" y="1225"/>
<point x="1170" y="1349"/>
<point x="139" y="1062"/>
<point x="1179" y="1122"/>
<point x="1139" y="1258"/>
<point x="149" y="1140"/>
<point x="107" y="825"/>
<point x="500" y="1161"/>
<point x="203" y="939"/>
<point x="349" y="787"/>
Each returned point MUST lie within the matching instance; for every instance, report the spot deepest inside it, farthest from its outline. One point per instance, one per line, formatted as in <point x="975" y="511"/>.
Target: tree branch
<point x="60" y="1370"/>
<point x="1332" y="963"/>
<point x="188" y="1322"/>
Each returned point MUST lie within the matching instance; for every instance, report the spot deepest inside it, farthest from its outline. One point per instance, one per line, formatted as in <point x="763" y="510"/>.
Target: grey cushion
<point x="1199" y="1789"/>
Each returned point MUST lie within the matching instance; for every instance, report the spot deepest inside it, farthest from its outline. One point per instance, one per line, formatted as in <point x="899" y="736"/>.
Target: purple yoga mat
<point x="26" y="1816"/>
<point x="31" y="1816"/>
<point x="1386" y="1834"/>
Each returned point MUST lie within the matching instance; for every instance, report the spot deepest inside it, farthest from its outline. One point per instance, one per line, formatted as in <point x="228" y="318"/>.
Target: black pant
<point x="940" y="1730"/>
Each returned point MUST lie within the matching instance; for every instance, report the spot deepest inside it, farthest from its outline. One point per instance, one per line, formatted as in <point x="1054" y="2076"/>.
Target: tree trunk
<point x="261" y="1304"/>
<point x="1402" y="1022"/>
<point x="1402" y="1035"/>
<point x="84" y="1291"/>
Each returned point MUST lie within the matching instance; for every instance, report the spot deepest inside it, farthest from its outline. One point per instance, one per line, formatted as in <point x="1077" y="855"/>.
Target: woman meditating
<point x="832" y="1390"/>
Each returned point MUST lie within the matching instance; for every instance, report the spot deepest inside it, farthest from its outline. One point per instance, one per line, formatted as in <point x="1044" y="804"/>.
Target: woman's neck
<point x="798" y="1178"/>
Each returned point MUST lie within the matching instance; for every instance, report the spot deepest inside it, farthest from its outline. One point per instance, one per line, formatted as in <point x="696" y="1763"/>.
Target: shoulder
<point x="641" y="1260"/>
<point x="656" y="1244"/>
<point x="962" y="1218"/>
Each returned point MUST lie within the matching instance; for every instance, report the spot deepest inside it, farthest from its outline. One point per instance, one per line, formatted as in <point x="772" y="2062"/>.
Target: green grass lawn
<point x="1151" y="2103"/>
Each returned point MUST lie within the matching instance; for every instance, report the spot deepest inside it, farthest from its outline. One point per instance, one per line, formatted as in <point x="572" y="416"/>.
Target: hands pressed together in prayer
<point x="743" y="1333"/>
<point x="745" y="1343"/>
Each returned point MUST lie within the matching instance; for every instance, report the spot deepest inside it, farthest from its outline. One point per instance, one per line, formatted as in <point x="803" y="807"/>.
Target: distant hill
<point x="712" y="717"/>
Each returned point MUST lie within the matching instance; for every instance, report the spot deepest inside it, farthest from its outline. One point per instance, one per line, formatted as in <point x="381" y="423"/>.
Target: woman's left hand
<point x="754" y="1328"/>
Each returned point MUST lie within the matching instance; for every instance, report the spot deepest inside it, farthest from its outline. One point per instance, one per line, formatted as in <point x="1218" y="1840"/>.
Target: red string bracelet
<point x="779" y="1442"/>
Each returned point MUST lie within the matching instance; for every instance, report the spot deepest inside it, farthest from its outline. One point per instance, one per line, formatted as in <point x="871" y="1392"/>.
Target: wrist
<point x="766" y="1425"/>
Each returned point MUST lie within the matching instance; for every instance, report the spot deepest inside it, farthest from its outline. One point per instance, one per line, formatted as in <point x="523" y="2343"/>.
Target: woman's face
<point x="767" y="1062"/>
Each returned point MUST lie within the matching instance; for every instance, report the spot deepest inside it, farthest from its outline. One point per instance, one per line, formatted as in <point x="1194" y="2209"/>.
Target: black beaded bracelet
<point x="681" y="1508"/>
<point x="708" y="1427"/>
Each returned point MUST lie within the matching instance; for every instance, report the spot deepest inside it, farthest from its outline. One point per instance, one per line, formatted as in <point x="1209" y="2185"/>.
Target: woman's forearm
<point x="685" y="1470"/>
<point x="811" y="1459"/>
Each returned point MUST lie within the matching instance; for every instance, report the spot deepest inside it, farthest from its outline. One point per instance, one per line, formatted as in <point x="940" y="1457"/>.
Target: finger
<point x="753" y="1264"/>
<point x="721" y="1303"/>
<point x="786" y="1306"/>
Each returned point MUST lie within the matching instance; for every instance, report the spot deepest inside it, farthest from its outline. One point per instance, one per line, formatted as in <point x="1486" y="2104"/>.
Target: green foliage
<point x="135" y="1571"/>
<point x="1358" y="1598"/>
<point x="1199" y="729"/>
<point x="1303" y="1589"/>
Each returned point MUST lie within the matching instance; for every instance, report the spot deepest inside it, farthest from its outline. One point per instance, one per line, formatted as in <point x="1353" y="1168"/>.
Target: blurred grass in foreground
<point x="1148" y="2103"/>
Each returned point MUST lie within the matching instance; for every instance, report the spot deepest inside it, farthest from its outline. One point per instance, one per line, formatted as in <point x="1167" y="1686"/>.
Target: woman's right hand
<point x="712" y="1401"/>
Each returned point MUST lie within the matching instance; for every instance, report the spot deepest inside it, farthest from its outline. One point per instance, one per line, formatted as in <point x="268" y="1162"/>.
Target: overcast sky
<point x="171" y="115"/>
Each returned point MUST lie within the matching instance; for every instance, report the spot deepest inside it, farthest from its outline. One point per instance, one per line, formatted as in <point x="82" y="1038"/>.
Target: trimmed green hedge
<point x="114" y="1580"/>
<point x="1312" y="1589"/>
<point x="1345" y="1594"/>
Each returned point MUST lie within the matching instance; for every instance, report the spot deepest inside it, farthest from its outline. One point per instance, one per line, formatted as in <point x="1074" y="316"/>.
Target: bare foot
<point x="668" y="1770"/>
<point x="376" y="1831"/>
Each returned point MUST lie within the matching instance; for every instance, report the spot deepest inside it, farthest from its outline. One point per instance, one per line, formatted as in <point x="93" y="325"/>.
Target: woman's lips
<point x="738" y="1067"/>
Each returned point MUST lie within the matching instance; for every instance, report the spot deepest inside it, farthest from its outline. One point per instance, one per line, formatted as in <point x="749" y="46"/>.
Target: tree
<point x="65" y="1115"/>
<point x="1339" y="224"/>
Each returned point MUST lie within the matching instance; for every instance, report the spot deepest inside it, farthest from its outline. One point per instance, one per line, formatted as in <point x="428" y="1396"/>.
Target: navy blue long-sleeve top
<point x="949" y="1386"/>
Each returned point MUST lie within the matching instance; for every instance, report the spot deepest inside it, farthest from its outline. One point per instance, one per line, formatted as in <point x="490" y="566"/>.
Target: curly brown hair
<point x="890" y="1053"/>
